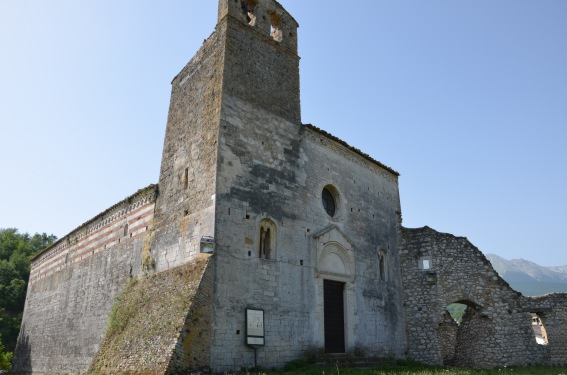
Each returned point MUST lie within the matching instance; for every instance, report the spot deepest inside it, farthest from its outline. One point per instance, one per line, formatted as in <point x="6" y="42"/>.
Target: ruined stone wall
<point x="552" y="311"/>
<point x="74" y="282"/>
<point x="496" y="328"/>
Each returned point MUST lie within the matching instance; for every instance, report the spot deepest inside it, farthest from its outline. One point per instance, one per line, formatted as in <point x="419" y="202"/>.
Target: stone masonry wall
<point x="186" y="204"/>
<point x="276" y="170"/>
<point x="496" y="328"/>
<point x="74" y="282"/>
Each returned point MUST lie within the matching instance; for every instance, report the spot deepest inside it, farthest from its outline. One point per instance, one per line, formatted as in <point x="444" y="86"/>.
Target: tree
<point x="16" y="250"/>
<point x="5" y="358"/>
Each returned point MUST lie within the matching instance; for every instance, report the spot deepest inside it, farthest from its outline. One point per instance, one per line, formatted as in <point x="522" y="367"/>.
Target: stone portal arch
<point x="335" y="263"/>
<point x="335" y="275"/>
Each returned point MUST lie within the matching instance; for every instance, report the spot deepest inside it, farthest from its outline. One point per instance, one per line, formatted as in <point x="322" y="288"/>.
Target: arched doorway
<point x="457" y="315"/>
<point x="335" y="276"/>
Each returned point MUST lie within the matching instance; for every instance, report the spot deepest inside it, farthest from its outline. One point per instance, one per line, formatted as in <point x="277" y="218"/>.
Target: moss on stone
<point x="146" y="322"/>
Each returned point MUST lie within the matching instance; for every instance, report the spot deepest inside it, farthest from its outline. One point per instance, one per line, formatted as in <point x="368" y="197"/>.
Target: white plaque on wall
<point x="255" y="327"/>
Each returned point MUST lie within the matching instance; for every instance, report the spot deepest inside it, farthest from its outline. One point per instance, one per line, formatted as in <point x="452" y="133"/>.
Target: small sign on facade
<point x="254" y="327"/>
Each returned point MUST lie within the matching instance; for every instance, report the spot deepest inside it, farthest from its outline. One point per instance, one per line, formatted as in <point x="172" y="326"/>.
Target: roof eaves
<point x="351" y="148"/>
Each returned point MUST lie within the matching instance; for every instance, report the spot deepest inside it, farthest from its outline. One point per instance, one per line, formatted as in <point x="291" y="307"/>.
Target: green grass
<point x="407" y="367"/>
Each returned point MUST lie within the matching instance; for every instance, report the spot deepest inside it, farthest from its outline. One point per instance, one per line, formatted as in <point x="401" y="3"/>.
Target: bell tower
<point x="262" y="65"/>
<point x="248" y="64"/>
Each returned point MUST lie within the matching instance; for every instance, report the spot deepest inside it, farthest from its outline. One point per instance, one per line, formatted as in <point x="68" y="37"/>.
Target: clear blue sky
<point x="466" y="99"/>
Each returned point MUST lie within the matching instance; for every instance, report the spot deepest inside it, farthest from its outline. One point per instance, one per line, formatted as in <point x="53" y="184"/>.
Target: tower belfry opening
<point x="248" y="7"/>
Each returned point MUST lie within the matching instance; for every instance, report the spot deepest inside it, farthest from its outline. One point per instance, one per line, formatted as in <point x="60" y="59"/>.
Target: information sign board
<point x="255" y="327"/>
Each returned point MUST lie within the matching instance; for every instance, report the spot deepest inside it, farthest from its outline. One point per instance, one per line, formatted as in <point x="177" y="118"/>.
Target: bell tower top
<point x="267" y="17"/>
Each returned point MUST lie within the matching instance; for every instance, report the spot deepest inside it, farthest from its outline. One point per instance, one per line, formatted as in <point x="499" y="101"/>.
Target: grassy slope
<point x="146" y="321"/>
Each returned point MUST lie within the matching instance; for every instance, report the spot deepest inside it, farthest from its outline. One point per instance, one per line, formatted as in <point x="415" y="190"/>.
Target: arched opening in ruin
<point x="456" y="311"/>
<point x="452" y="335"/>
<point x="539" y="328"/>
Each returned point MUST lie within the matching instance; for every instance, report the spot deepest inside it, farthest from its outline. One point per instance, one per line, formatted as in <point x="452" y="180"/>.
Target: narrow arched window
<point x="267" y="239"/>
<point x="382" y="266"/>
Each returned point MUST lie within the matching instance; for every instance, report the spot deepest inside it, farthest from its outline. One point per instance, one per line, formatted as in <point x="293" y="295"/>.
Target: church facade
<point x="265" y="238"/>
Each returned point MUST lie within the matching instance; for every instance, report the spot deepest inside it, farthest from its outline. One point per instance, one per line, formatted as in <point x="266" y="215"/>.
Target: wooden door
<point x="334" y="316"/>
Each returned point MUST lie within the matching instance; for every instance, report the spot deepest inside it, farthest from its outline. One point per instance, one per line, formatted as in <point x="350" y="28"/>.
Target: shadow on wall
<point x="22" y="361"/>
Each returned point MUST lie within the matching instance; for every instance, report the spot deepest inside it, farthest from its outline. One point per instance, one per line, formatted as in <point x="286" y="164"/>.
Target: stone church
<point x="265" y="240"/>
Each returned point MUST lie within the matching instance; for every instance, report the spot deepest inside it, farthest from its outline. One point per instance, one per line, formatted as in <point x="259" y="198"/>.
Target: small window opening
<point x="425" y="263"/>
<point x="301" y="262"/>
<point x="125" y="234"/>
<point x="186" y="179"/>
<point x="238" y="332"/>
<point x="539" y="329"/>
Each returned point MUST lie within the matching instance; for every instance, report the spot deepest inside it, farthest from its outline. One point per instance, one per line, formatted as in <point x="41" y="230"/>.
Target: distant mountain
<point x="530" y="278"/>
